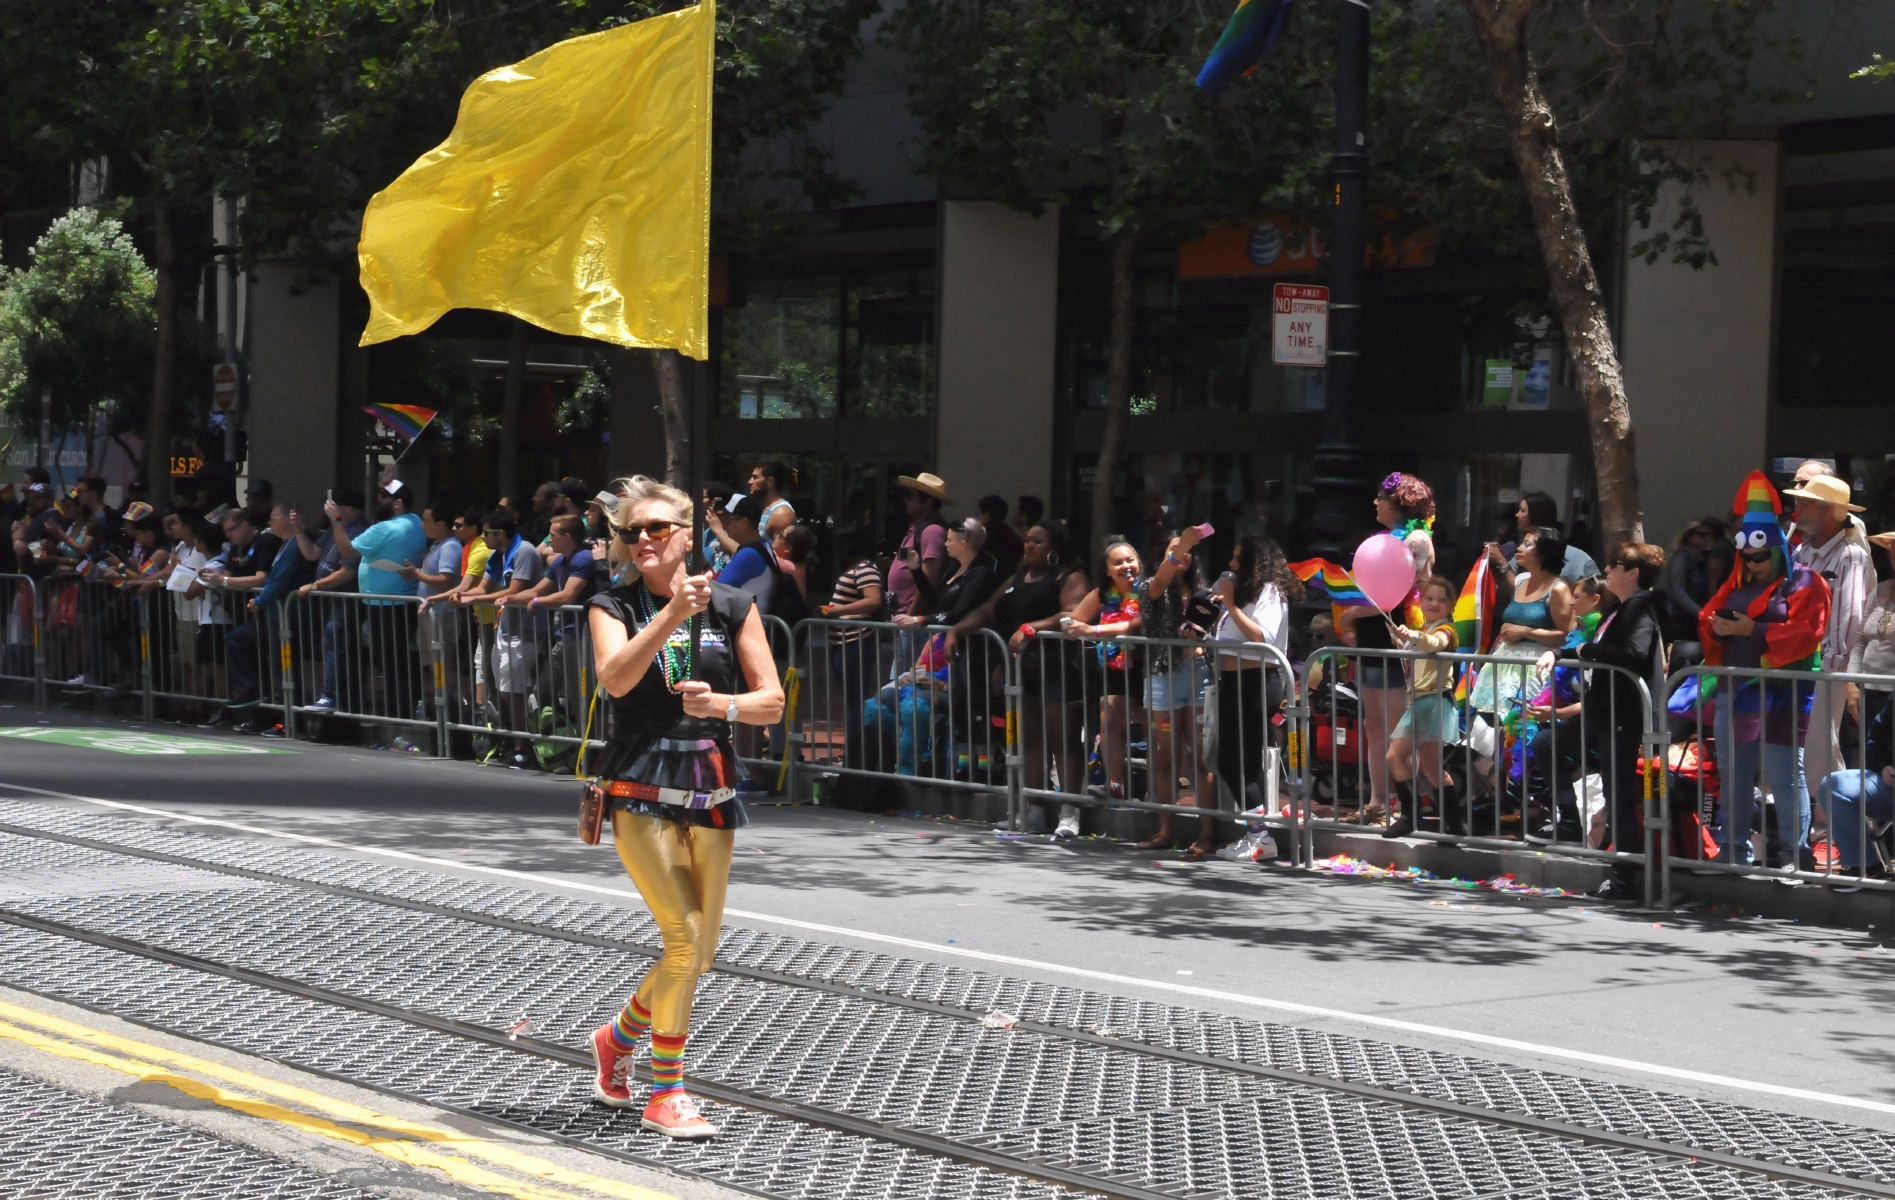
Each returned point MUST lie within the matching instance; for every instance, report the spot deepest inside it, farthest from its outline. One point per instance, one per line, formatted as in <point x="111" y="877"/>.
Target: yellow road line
<point x="395" y="1137"/>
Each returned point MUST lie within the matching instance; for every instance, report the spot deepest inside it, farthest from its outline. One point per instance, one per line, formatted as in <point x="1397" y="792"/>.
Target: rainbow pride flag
<point x="1319" y="574"/>
<point x="406" y="421"/>
<point x="1474" y="626"/>
<point x="1251" y="30"/>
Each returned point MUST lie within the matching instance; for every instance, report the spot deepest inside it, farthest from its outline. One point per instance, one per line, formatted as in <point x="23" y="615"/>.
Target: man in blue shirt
<point x="440" y="572"/>
<point x="513" y="569"/>
<point x="382" y="550"/>
<point x="570" y="580"/>
<point x="748" y="569"/>
<point x="254" y="643"/>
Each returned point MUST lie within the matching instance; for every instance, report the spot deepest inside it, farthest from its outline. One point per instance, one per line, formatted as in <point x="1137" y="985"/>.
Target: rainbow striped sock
<point x="630" y="1025"/>
<point x="667" y="1064"/>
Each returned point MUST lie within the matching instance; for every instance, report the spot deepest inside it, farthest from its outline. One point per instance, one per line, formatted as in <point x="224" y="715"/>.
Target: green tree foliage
<point x="79" y="322"/>
<point x="1878" y="68"/>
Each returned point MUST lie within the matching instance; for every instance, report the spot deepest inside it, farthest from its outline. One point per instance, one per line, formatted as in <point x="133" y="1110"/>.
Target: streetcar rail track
<point x="1013" y="1164"/>
<point x="527" y="1044"/>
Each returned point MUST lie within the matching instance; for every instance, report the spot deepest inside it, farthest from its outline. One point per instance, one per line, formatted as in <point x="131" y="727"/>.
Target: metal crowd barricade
<point x="1751" y="741"/>
<point x="877" y="699"/>
<point x="769" y="753"/>
<point x="21" y="653"/>
<point x="1167" y="725"/>
<point x="187" y="639"/>
<point x="353" y="656"/>
<point x="1503" y="753"/>
<point x="91" y="635"/>
<point x="511" y="675"/>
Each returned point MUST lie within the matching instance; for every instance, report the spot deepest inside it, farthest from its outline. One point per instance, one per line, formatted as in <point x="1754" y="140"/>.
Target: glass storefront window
<point x="826" y="347"/>
<point x="890" y="364"/>
<point x="780" y="349"/>
<point x="1838" y="310"/>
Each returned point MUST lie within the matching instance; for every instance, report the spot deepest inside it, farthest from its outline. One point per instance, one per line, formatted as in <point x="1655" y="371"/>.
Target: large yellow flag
<point x="574" y="193"/>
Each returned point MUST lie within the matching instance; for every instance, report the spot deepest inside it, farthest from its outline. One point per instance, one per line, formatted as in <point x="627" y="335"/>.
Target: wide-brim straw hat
<point x="1828" y="489"/>
<point x="1885" y="540"/>
<point x="927" y="485"/>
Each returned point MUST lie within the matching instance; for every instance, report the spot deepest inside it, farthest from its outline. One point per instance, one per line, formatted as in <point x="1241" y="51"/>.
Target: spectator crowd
<point x="402" y="606"/>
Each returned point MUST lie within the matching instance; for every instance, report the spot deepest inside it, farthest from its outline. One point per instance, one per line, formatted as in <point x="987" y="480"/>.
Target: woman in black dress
<point x="1047" y="586"/>
<point x="670" y="774"/>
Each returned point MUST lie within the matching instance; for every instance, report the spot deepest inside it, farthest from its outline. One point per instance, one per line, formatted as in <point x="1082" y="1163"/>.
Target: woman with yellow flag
<point x="685" y="660"/>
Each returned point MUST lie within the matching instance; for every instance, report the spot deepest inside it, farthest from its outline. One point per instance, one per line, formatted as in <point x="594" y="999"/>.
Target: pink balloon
<point x="1384" y="571"/>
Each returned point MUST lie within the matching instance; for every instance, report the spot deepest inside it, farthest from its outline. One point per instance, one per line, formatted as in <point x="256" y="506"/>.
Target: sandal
<point x="1158" y="841"/>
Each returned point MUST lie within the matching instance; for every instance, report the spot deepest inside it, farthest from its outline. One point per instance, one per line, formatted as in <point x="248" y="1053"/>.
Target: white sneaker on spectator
<point x="1255" y="846"/>
<point x="76" y="681"/>
<point x="1068" y="824"/>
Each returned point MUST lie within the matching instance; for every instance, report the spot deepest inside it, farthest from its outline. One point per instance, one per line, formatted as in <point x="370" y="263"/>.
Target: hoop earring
<point x="1052" y="560"/>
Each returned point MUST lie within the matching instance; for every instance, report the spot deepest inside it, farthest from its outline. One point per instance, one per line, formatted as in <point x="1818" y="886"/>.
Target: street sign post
<point x="1300" y="325"/>
<point x="224" y="387"/>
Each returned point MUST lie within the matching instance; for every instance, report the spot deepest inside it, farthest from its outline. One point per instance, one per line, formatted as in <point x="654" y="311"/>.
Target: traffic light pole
<point x="1339" y="489"/>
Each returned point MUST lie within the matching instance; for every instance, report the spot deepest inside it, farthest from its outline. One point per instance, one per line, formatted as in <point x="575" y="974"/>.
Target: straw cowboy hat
<point x="1885" y="540"/>
<point x="927" y="485"/>
<point x="1828" y="489"/>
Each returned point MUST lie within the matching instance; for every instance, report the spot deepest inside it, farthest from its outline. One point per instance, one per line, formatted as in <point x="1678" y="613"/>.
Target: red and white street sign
<point x="224" y="388"/>
<point x="1300" y="325"/>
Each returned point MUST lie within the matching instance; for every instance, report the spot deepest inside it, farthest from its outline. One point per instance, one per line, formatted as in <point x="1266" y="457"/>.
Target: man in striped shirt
<point x="1833" y="549"/>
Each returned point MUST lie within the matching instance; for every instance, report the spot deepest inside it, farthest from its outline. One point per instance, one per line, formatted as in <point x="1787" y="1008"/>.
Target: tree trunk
<point x="164" y="360"/>
<point x="668" y="367"/>
<point x="1501" y="28"/>
<point x="1118" y="387"/>
<point x="510" y="409"/>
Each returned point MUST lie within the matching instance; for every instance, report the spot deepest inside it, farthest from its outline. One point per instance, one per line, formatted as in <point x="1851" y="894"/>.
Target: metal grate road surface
<point x="60" y="1145"/>
<point x="1113" y="1109"/>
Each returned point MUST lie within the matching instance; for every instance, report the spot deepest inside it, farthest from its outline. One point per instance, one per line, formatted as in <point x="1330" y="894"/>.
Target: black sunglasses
<point x="1758" y="555"/>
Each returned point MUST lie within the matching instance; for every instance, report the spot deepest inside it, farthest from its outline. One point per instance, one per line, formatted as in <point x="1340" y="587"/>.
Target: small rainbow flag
<point x="1319" y="574"/>
<point x="1474" y="610"/>
<point x="406" y="421"/>
<point x="1251" y="30"/>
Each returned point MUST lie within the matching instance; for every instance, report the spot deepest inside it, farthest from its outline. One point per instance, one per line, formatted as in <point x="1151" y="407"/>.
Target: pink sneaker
<point x="676" y="1116"/>
<point x="609" y="1087"/>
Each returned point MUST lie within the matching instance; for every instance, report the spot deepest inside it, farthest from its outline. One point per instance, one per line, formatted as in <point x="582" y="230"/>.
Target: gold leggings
<point x="682" y="871"/>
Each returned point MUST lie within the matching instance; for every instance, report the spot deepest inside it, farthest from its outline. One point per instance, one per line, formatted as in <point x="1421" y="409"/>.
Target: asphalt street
<point x="1767" y="1002"/>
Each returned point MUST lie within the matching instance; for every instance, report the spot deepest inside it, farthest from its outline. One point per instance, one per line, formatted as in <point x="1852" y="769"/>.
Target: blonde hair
<point x="634" y="490"/>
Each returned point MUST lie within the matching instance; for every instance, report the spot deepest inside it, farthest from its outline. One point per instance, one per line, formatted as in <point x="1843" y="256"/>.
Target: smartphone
<point x="1205" y="530"/>
<point x="1725" y="614"/>
<point x="329" y="497"/>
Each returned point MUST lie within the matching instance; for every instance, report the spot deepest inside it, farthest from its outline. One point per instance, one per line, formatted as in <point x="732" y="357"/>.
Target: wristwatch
<point x="730" y="713"/>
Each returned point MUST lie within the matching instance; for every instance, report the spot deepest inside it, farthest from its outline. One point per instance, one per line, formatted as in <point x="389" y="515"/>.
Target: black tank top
<point x="652" y="710"/>
<point x="1021" y="602"/>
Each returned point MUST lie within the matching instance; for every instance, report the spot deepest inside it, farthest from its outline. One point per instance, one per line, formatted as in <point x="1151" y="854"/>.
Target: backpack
<point x="786" y="599"/>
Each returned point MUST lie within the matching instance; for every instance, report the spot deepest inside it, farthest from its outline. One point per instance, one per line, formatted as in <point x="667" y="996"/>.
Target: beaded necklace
<point x="677" y="665"/>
